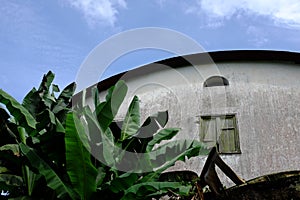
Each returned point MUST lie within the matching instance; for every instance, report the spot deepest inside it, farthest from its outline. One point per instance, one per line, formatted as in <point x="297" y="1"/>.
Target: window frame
<point x="218" y="127"/>
<point x="215" y="81"/>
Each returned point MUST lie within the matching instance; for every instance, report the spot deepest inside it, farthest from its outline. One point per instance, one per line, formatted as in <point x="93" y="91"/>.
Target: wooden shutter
<point x="209" y="131"/>
<point x="228" y="138"/>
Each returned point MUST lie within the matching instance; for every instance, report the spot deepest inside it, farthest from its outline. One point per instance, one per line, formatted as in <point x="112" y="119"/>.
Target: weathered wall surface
<point x="264" y="96"/>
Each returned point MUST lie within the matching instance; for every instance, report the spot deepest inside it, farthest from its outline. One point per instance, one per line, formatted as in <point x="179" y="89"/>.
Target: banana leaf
<point x="101" y="144"/>
<point x="46" y="82"/>
<point x="67" y="93"/>
<point x="11" y="147"/>
<point x="33" y="102"/>
<point x="107" y="110"/>
<point x="166" y="155"/>
<point x="80" y="169"/>
<point x="164" y="134"/>
<point x="11" y="180"/>
<point x="53" y="180"/>
<point x="20" y="113"/>
<point x="150" y="190"/>
<point x="131" y="122"/>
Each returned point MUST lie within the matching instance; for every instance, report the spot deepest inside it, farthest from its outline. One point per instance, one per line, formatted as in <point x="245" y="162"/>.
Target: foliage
<point x="32" y="140"/>
<point x="137" y="163"/>
<point x="49" y="150"/>
<point x="80" y="169"/>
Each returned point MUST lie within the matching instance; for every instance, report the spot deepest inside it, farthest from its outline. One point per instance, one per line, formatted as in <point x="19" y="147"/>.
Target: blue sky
<point x="57" y="35"/>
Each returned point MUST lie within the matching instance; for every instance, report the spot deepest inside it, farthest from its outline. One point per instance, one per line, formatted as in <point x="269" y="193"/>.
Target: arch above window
<point x="215" y="81"/>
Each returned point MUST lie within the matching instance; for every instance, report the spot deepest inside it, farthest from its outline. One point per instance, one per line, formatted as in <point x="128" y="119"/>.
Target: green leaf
<point x="166" y="155"/>
<point x="92" y="129"/>
<point x="63" y="101"/>
<point x="29" y="178"/>
<point x="20" y="113"/>
<point x="48" y="100"/>
<point x="55" y="88"/>
<point x="3" y="170"/>
<point x="59" y="127"/>
<point x="95" y="93"/>
<point x="138" y="142"/>
<point x="109" y="109"/>
<point x="9" y="154"/>
<point x="33" y="102"/>
<point x="46" y="82"/>
<point x="53" y="180"/>
<point x="123" y="182"/>
<point x="148" y="129"/>
<point x="131" y="122"/>
<point x="11" y="147"/>
<point x="101" y="144"/>
<point x="67" y="93"/>
<point x="11" y="179"/>
<point x="109" y="148"/>
<point x="162" y="118"/>
<point x="44" y="119"/>
<point x="149" y="190"/>
<point x="81" y="171"/>
<point x="164" y="134"/>
<point x="100" y="175"/>
<point x="173" y="151"/>
<point x="99" y="107"/>
<point x="91" y="126"/>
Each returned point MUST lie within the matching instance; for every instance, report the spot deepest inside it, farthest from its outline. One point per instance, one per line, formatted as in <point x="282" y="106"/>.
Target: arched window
<point x="215" y="81"/>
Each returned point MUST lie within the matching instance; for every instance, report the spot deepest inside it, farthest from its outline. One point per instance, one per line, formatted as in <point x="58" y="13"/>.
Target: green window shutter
<point x="221" y="129"/>
<point x="208" y="135"/>
<point x="227" y="141"/>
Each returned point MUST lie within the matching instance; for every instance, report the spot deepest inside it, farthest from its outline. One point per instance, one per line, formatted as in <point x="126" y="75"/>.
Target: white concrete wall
<point x="264" y="96"/>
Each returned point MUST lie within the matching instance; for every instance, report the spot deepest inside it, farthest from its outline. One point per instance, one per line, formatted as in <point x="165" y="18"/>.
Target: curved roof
<point x="202" y="58"/>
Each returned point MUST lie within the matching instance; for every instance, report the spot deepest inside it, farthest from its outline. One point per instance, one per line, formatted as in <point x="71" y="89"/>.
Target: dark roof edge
<point x="234" y="55"/>
<point x="206" y="57"/>
<point x="256" y="55"/>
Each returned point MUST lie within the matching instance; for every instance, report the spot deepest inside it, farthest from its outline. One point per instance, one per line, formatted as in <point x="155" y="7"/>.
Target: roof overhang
<point x="202" y="58"/>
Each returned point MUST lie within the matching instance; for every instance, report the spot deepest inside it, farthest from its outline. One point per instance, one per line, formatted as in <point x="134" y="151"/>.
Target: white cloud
<point x="284" y="12"/>
<point x="258" y="36"/>
<point x="99" y="11"/>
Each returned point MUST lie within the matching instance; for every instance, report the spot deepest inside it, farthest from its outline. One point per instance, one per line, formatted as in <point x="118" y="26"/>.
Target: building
<point x="247" y="100"/>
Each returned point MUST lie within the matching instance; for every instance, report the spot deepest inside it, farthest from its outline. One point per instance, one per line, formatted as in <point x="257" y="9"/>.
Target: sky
<point x="58" y="35"/>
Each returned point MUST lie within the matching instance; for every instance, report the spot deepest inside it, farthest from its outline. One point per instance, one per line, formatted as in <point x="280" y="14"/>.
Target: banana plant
<point x="49" y="148"/>
<point x="32" y="144"/>
<point x="130" y="152"/>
